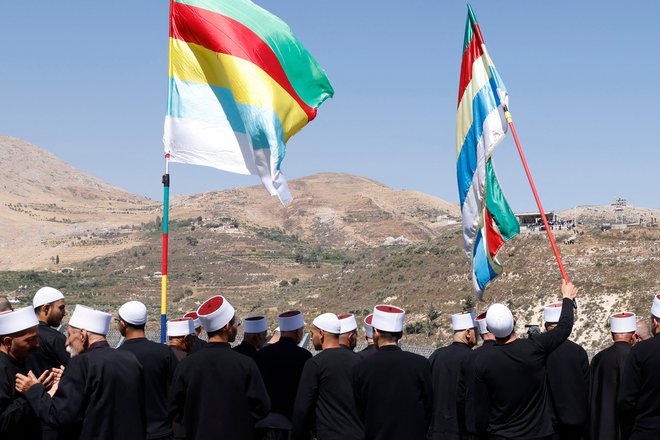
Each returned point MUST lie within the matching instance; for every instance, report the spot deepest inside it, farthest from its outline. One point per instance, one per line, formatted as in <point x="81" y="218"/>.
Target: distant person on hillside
<point x="348" y="336"/>
<point x="369" y="337"/>
<point x="198" y="343"/>
<point x="255" y="331"/>
<point x="5" y="305"/>
<point x="606" y="373"/>
<point x="642" y="332"/>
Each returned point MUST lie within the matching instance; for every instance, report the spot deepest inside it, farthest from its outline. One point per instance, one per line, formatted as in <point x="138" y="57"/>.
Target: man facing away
<point x="369" y="337"/>
<point x="198" y="342"/>
<point x="158" y="363"/>
<point x="324" y="402"/>
<point x="512" y="374"/>
<point x="606" y="373"/>
<point x="348" y="335"/>
<point x="255" y="331"/>
<point x="180" y="334"/>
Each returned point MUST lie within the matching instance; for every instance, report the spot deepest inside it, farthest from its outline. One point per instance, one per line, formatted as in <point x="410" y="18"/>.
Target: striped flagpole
<point x="163" y="271"/>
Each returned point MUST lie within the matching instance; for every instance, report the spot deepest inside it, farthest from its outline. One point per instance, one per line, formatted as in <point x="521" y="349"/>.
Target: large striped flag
<point x="240" y="86"/>
<point x="488" y="222"/>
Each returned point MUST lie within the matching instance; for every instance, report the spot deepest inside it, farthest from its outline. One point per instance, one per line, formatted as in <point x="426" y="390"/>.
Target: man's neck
<point x="222" y="337"/>
<point x="134" y="333"/>
<point x="332" y="343"/>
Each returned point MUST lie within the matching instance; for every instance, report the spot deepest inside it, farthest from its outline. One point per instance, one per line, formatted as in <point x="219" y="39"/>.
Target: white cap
<point x="180" y="327"/>
<point x="13" y="321"/>
<point x="291" y="320"/>
<point x="499" y="320"/>
<point x="623" y="322"/>
<point x="348" y="323"/>
<point x="552" y="312"/>
<point x="215" y="313"/>
<point x="462" y="321"/>
<point x="46" y="295"/>
<point x="193" y="315"/>
<point x="133" y="312"/>
<point x="481" y="323"/>
<point x="94" y="321"/>
<point x="368" y="328"/>
<point x="655" y="309"/>
<point x="328" y="322"/>
<point x="255" y="324"/>
<point x="388" y="318"/>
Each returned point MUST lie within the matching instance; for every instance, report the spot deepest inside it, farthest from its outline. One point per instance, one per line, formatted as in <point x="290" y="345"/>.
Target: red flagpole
<point x="536" y="196"/>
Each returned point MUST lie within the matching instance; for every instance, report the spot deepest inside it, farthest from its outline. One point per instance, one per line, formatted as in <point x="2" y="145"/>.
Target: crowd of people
<point x="76" y="386"/>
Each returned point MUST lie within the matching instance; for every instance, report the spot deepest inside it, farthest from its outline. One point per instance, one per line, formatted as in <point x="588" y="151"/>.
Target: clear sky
<point x="87" y="80"/>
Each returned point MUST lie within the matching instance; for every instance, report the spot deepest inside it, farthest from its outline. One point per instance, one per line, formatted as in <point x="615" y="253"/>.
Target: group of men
<point x="542" y="387"/>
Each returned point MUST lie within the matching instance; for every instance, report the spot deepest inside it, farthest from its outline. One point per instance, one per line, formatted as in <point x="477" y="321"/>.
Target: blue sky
<point x="87" y="80"/>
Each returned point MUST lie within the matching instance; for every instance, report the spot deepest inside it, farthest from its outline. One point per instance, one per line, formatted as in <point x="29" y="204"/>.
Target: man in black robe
<point x="198" y="343"/>
<point x="180" y="336"/>
<point x="393" y="389"/>
<point x="255" y="332"/>
<point x="324" y="404"/>
<point x="50" y="308"/>
<point x="158" y="365"/>
<point x="369" y="337"/>
<point x="512" y="374"/>
<point x="606" y="373"/>
<point x="639" y="399"/>
<point x="568" y="382"/>
<point x="100" y="394"/>
<point x="217" y="392"/>
<point x="18" y="338"/>
<point x="446" y="365"/>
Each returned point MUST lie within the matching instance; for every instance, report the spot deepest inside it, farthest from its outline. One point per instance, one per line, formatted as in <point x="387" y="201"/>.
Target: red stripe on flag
<point x="472" y="52"/>
<point x="225" y="35"/>
<point x="493" y="238"/>
<point x="164" y="257"/>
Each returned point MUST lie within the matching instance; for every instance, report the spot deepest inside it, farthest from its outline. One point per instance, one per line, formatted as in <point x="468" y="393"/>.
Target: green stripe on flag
<point x="498" y="207"/>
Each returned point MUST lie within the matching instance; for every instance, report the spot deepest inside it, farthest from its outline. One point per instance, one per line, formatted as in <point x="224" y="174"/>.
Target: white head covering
<point x="499" y="320"/>
<point x="193" y="315"/>
<point x="655" y="309"/>
<point x="623" y="322"/>
<point x="13" y="321"/>
<point x="388" y="318"/>
<point x="291" y="320"/>
<point x="328" y="322"/>
<point x="215" y="313"/>
<point x="46" y="295"/>
<point x="133" y="312"/>
<point x="180" y="327"/>
<point x="462" y="321"/>
<point x="368" y="328"/>
<point x="552" y="312"/>
<point x="348" y="323"/>
<point x="255" y="324"/>
<point x="94" y="321"/>
<point x="481" y="323"/>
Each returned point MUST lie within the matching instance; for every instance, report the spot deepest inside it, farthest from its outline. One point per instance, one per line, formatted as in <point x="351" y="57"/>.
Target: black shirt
<point x="218" y="393"/>
<point x="467" y="398"/>
<point x="367" y="351"/>
<point x="568" y="385"/>
<point x="246" y="349"/>
<point x="101" y="393"/>
<point x="393" y="394"/>
<point x="513" y="377"/>
<point x="324" y="403"/>
<point x="51" y="352"/>
<point x="197" y="344"/>
<point x="158" y="363"/>
<point x="17" y="419"/>
<point x="281" y="366"/>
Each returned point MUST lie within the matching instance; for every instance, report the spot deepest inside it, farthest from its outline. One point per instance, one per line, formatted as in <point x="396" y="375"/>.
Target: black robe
<point x="445" y="372"/>
<point x="158" y="364"/>
<point x="51" y="352"/>
<point x="17" y="418"/>
<point x="394" y="394"/>
<point x="281" y="366"/>
<point x="100" y="395"/>
<point x="325" y="403"/>
<point x="367" y="351"/>
<point x="197" y="344"/>
<point x="246" y="349"/>
<point x="567" y="371"/>
<point x="606" y="373"/>
<point x="513" y="377"/>
<point x="218" y="393"/>
<point x="639" y="399"/>
<point x="466" y="398"/>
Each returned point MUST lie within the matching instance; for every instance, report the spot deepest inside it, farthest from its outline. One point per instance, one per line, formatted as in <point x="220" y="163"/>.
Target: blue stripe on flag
<point x="483" y="272"/>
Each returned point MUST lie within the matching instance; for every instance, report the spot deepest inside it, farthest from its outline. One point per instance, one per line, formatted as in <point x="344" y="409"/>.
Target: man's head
<point x="255" y="331"/>
<point x="5" y="305"/>
<point x="218" y="318"/>
<point x="464" y="328"/>
<point x="482" y="328"/>
<point x="348" y="335"/>
<point x="623" y="326"/>
<point x="499" y="320"/>
<point x="387" y="322"/>
<point x="49" y="306"/>
<point x="325" y="331"/>
<point x="18" y="333"/>
<point x="292" y="325"/>
<point x="180" y="333"/>
<point x="132" y="319"/>
<point x="196" y="322"/>
<point x="655" y="315"/>
<point x="551" y="314"/>
<point x="369" y="329"/>
<point x="86" y="327"/>
<point x="642" y="333"/>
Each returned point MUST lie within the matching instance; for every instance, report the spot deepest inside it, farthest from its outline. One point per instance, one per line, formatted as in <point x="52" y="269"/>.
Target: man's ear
<point x="6" y="341"/>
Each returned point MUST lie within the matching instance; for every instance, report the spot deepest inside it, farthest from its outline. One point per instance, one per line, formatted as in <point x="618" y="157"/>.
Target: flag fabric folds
<point x="488" y="221"/>
<point x="240" y="85"/>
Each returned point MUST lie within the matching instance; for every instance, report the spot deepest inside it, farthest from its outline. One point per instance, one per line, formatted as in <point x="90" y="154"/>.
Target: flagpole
<point x="163" y="271"/>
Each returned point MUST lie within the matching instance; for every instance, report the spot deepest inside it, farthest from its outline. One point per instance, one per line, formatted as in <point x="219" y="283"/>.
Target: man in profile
<point x="50" y="308"/>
